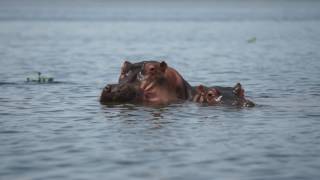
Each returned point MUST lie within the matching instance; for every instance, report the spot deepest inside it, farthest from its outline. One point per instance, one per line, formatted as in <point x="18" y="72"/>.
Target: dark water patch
<point x="7" y="83"/>
<point x="129" y="162"/>
<point x="312" y="115"/>
<point x="21" y="168"/>
<point x="5" y="114"/>
<point x="234" y="159"/>
<point x="315" y="94"/>
<point x="10" y="132"/>
<point x="282" y="157"/>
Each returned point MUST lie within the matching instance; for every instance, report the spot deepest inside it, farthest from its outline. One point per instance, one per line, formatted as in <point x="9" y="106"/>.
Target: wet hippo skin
<point x="133" y="72"/>
<point x="153" y="82"/>
<point x="162" y="84"/>
<point x="121" y="93"/>
<point x="129" y="71"/>
<point x="146" y="82"/>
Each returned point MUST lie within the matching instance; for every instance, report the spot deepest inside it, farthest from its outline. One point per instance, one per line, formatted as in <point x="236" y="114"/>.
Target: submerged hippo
<point x="153" y="82"/>
<point x="218" y="95"/>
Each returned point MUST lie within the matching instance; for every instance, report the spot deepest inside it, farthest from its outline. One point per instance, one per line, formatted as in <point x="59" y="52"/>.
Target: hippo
<point x="218" y="95"/>
<point x="159" y="82"/>
<point x="155" y="83"/>
<point x="208" y="95"/>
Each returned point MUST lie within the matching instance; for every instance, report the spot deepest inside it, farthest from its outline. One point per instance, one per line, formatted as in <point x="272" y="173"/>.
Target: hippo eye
<point x="152" y="69"/>
<point x="107" y="88"/>
<point x="123" y="74"/>
<point x="210" y="94"/>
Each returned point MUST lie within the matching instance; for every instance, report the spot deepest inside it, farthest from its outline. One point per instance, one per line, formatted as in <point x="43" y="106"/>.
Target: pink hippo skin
<point x="161" y="84"/>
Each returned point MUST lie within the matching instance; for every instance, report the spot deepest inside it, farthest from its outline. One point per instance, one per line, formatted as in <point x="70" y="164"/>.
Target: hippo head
<point x="213" y="96"/>
<point x="119" y="93"/>
<point x="152" y="71"/>
<point x="132" y="72"/>
<point x="129" y="72"/>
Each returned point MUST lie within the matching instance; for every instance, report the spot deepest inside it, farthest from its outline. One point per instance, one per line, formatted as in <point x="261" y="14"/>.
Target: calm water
<point x="60" y="131"/>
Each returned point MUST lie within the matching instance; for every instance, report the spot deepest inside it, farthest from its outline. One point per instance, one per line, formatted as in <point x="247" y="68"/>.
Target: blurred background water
<point x="60" y="131"/>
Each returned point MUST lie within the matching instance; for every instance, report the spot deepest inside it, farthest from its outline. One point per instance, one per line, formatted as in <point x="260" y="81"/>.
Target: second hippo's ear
<point x="238" y="90"/>
<point x="163" y="66"/>
<point x="200" y="89"/>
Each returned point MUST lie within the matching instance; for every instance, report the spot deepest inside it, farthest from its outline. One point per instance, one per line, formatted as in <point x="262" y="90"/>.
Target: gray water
<point x="60" y="130"/>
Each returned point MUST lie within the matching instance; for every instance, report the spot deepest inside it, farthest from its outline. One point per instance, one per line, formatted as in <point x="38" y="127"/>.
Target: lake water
<point x="61" y="131"/>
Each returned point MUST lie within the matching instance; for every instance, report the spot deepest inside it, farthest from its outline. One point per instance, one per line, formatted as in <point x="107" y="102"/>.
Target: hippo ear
<point x="237" y="86"/>
<point x="126" y="63"/>
<point x="200" y="89"/>
<point x="125" y="66"/>
<point x="218" y="92"/>
<point x="163" y="66"/>
<point x="238" y="90"/>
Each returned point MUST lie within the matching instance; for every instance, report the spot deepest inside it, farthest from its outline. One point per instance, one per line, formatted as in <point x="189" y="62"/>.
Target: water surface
<point x="60" y="131"/>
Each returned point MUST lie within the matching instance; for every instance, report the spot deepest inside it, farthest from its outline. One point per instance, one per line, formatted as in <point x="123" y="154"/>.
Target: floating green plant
<point x="40" y="79"/>
<point x="252" y="40"/>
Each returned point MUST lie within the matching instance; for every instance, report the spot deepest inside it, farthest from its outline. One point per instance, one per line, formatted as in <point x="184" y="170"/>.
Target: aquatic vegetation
<point x="252" y="40"/>
<point x="40" y="79"/>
